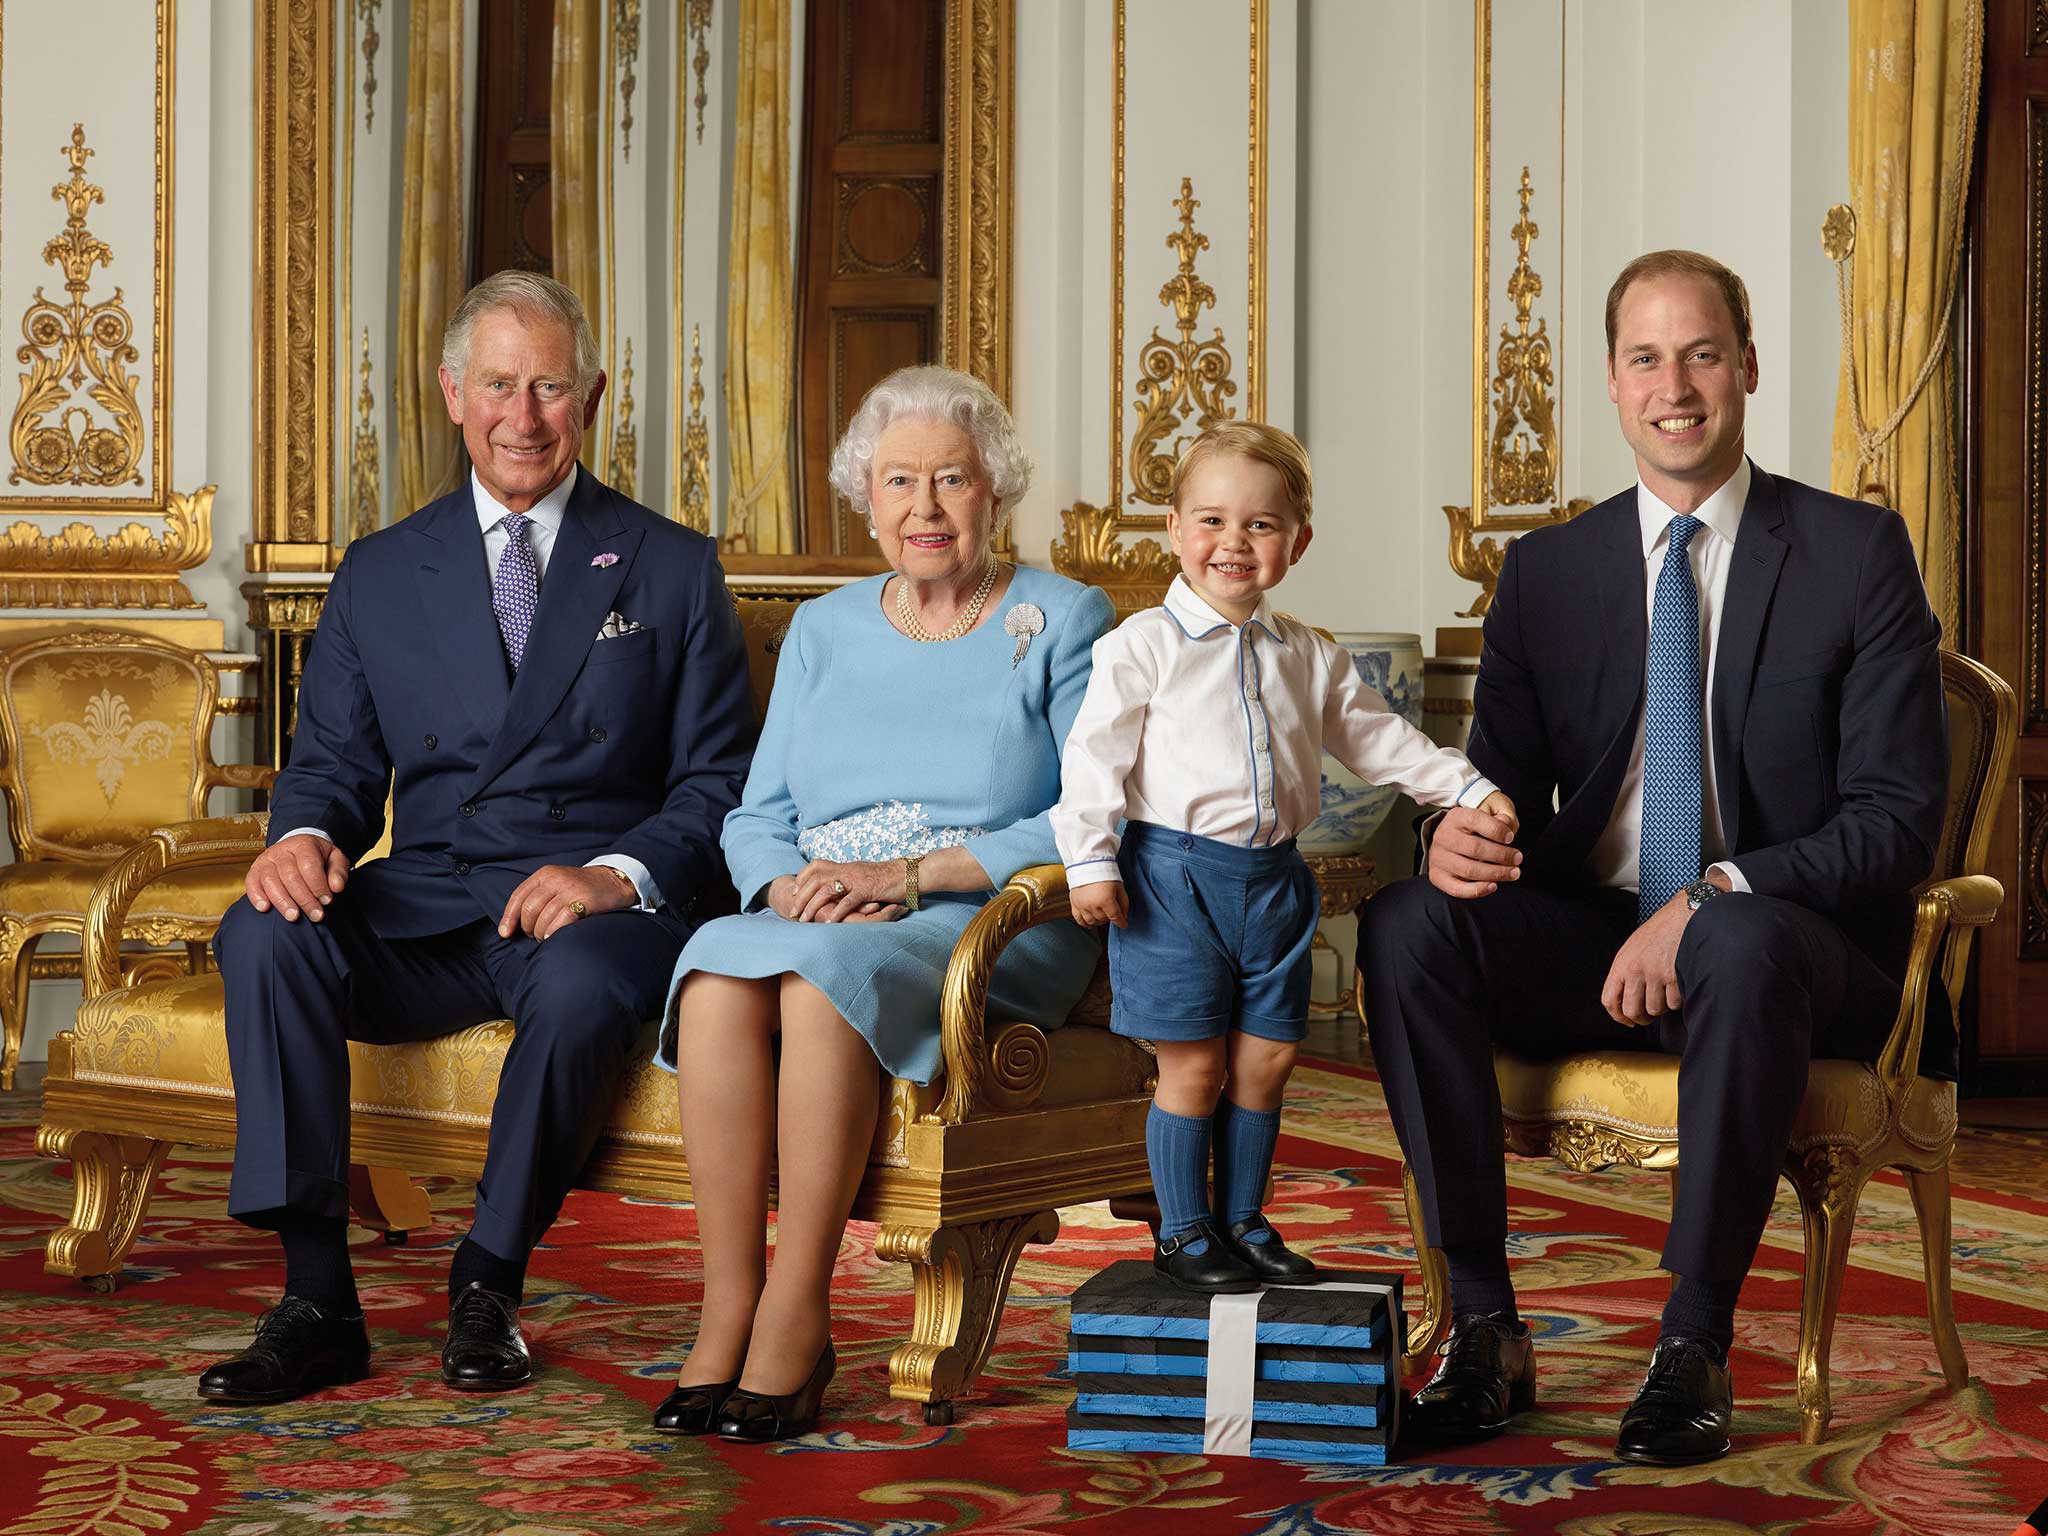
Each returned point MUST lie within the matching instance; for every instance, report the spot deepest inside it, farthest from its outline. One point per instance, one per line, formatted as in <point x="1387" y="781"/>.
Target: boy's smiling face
<point x="1235" y="532"/>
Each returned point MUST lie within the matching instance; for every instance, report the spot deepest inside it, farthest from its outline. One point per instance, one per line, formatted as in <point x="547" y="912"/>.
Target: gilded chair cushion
<point x="57" y="889"/>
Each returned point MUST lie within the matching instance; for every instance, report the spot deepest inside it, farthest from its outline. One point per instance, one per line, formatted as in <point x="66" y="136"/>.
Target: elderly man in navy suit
<point x="1716" y="701"/>
<point x="550" y="681"/>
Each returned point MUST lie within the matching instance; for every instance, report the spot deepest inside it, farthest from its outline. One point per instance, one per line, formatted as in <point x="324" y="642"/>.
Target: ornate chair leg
<point x="17" y="954"/>
<point x="1930" y="1204"/>
<point x="386" y="1200"/>
<point x="963" y="1275"/>
<point x="112" y="1179"/>
<point x="1829" y="1182"/>
<point x="1433" y="1320"/>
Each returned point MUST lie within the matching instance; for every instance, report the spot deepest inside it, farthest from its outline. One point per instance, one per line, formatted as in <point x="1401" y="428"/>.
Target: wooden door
<point x="2005" y="498"/>
<point x="515" y="55"/>
<point x="870" y="286"/>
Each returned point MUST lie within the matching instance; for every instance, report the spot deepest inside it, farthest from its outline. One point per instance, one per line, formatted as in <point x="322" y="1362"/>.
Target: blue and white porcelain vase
<point x="1391" y="665"/>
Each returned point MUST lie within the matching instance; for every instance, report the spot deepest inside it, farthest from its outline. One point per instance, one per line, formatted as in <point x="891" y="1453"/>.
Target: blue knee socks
<point x="1177" y="1147"/>
<point x="1244" y="1143"/>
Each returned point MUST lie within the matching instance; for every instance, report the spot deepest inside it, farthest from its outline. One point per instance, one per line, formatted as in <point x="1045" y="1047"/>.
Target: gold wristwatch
<point x="910" y="883"/>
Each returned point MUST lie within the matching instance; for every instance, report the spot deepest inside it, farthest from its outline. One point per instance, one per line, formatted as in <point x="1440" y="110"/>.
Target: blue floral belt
<point x="891" y="830"/>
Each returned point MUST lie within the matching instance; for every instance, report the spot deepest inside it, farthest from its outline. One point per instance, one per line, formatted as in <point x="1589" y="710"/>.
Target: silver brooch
<point x="1023" y="620"/>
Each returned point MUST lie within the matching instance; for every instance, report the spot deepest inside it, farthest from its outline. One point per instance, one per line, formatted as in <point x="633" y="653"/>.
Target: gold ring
<point x="578" y="908"/>
<point x="838" y="887"/>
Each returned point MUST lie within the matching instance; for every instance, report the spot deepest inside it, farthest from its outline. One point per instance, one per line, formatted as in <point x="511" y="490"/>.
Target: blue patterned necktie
<point x="1670" y="851"/>
<point x="515" y="587"/>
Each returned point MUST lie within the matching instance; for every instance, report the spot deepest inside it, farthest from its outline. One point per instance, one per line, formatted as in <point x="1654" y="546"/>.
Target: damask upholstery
<point x="964" y="1171"/>
<point x="105" y="736"/>
<point x="1602" y="1108"/>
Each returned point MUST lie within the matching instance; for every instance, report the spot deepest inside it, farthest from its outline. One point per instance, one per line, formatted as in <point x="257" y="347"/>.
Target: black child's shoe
<point x="1218" y="1268"/>
<point x="1681" y="1414"/>
<point x="1487" y="1376"/>
<point x="484" y="1352"/>
<point x="299" y="1347"/>
<point x="1271" y="1260"/>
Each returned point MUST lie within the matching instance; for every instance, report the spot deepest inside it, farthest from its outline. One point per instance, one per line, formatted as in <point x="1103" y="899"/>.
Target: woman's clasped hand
<point x="826" y="892"/>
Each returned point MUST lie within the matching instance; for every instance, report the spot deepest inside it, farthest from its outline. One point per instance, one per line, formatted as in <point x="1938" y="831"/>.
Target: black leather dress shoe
<point x="1681" y="1414"/>
<point x="693" y="1410"/>
<point x="1488" y="1375"/>
<point x="1216" y="1268"/>
<point x="484" y="1352"/>
<point x="299" y="1348"/>
<point x="1271" y="1260"/>
<point x="756" y="1417"/>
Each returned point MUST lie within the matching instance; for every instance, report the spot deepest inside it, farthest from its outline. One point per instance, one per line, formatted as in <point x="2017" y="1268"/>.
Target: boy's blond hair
<point x="1275" y="447"/>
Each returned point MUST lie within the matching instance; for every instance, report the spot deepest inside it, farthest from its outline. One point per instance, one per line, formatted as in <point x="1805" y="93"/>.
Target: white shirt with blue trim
<point x="1204" y="726"/>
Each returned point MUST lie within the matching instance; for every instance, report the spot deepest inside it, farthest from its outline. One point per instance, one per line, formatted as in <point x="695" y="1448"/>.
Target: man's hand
<point x="295" y="874"/>
<point x="1642" y="984"/>
<point x="1106" y="901"/>
<point x="1472" y="851"/>
<point x="544" y="900"/>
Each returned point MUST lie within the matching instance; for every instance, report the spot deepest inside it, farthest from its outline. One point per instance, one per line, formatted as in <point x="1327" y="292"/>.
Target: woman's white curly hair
<point x="932" y="393"/>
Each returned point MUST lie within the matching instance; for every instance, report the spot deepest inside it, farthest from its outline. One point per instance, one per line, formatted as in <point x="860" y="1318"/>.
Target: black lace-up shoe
<point x="1216" y="1268"/>
<point x="299" y="1348"/>
<point x="484" y="1352"/>
<point x="1681" y="1414"/>
<point x="1271" y="1260"/>
<point x="1488" y="1375"/>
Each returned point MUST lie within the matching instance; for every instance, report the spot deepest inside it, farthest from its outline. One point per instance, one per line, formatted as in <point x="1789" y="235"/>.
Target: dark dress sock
<point x="1479" y="1281"/>
<point x="1177" y="1147"/>
<point x="1701" y="1311"/>
<point x="475" y="1263"/>
<point x="316" y="1266"/>
<point x="1244" y="1142"/>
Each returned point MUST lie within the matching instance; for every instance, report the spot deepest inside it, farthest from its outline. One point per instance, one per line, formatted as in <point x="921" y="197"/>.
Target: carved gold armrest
<point x="1966" y="902"/>
<point x="240" y="776"/>
<point x="1015" y="1068"/>
<point x="234" y="840"/>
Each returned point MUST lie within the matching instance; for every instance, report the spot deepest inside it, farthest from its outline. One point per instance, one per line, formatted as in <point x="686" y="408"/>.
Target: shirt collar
<point x="548" y="511"/>
<point x="1197" y="620"/>
<point x="1721" y="512"/>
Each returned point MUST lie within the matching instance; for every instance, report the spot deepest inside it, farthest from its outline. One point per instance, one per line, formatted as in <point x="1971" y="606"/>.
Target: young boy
<point x="1205" y="724"/>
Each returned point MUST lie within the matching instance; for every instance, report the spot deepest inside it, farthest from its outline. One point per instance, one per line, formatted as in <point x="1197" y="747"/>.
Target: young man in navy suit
<point x="550" y="680"/>
<point x="1716" y="701"/>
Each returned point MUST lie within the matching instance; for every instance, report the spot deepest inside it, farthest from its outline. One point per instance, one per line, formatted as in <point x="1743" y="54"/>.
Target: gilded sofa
<point x="963" y="1173"/>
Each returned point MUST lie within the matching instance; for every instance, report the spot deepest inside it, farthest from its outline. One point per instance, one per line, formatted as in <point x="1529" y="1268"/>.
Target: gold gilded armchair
<point x="103" y="735"/>
<point x="962" y="1174"/>
<point x="1600" y="1109"/>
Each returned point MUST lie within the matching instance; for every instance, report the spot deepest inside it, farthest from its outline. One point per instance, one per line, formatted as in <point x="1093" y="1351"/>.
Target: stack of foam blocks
<point x="1300" y="1373"/>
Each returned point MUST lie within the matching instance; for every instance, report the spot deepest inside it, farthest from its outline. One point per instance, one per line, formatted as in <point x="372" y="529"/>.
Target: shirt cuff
<point x="635" y="871"/>
<point x="1092" y="872"/>
<point x="1475" y="793"/>
<point x="306" y="832"/>
<point x="1735" y="880"/>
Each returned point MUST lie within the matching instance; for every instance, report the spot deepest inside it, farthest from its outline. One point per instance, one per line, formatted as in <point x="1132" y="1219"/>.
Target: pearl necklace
<point x="953" y="631"/>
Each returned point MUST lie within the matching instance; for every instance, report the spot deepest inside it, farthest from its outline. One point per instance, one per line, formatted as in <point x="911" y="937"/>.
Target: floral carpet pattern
<point x="102" y="1435"/>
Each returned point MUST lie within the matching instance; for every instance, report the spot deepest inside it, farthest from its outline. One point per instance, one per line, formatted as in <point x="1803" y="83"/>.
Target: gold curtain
<point x="434" y="259"/>
<point x="576" y="168"/>
<point x="758" y="367"/>
<point x="1914" y="67"/>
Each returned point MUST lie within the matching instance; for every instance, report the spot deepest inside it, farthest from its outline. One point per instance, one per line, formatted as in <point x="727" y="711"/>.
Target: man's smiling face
<point x="1679" y="380"/>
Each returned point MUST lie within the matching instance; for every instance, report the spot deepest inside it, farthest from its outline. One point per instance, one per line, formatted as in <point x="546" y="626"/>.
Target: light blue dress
<point x="878" y="746"/>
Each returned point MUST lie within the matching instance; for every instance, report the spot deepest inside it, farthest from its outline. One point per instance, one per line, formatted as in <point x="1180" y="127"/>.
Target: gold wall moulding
<point x="625" y="436"/>
<point x="694" y="503"/>
<point x="626" y="59"/>
<point x="1180" y="378"/>
<point x="697" y="28"/>
<point x="1524" y="470"/>
<point x="70" y="344"/>
<point x="133" y="567"/>
<point x="1477" y="549"/>
<point x="368" y="11"/>
<point x="366" y="490"/>
<point x="1134" y="575"/>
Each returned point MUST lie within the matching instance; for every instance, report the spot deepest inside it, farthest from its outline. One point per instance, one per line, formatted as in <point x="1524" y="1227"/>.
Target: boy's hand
<point x="1500" y="806"/>
<point x="1103" y="902"/>
<point x="1471" y="853"/>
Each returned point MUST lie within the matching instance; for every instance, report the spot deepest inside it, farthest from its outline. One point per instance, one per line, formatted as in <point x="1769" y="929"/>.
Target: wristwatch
<point x="1700" y="892"/>
<point x="910" y="882"/>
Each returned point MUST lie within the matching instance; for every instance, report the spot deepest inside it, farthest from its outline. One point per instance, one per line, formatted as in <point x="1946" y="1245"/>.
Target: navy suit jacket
<point x="1830" y="734"/>
<point x="636" y="745"/>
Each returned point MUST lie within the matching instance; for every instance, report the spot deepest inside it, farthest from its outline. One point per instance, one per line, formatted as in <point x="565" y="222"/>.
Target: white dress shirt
<point x="544" y="521"/>
<point x="1616" y="857"/>
<point x="1197" y="724"/>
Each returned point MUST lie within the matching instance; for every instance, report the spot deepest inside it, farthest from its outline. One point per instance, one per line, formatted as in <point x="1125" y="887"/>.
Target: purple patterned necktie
<point x="515" y="588"/>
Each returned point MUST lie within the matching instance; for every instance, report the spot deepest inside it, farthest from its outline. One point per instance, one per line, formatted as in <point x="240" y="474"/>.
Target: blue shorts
<point x="1218" y="938"/>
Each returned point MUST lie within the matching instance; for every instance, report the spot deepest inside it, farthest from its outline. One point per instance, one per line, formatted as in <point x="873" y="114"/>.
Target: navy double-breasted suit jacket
<point x="636" y="745"/>
<point x="1830" y="734"/>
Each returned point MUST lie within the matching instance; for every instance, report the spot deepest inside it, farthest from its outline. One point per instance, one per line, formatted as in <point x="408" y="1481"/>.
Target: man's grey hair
<point x="932" y="393"/>
<point x="533" y="297"/>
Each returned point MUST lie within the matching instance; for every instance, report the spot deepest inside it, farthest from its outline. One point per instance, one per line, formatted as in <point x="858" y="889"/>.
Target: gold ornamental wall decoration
<point x="1523" y="468"/>
<point x="366" y="494"/>
<point x="626" y="59"/>
<point x="697" y="27"/>
<point x="368" y="10"/>
<point x="625" y="436"/>
<point x="1180" y="378"/>
<point x="1134" y="575"/>
<point x="72" y="347"/>
<point x="74" y="567"/>
<point x="696" y="478"/>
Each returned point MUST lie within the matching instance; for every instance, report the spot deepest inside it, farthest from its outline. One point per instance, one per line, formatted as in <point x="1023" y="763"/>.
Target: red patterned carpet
<point x="100" y="1432"/>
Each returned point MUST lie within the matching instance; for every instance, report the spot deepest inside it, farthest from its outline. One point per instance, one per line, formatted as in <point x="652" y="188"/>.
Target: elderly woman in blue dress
<point x="905" y="771"/>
